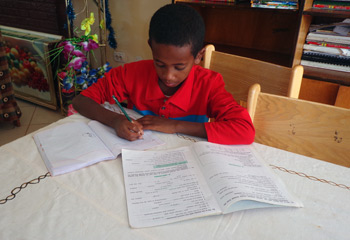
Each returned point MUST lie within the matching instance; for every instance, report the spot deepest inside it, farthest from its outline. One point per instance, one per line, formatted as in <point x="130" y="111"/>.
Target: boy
<point x="174" y="94"/>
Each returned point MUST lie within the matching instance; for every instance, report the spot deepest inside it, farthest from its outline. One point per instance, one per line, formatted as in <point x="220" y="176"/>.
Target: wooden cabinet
<point x="263" y="34"/>
<point x="273" y="35"/>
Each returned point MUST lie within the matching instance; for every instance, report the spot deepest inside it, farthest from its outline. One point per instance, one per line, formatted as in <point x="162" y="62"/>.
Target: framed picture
<point x="30" y="65"/>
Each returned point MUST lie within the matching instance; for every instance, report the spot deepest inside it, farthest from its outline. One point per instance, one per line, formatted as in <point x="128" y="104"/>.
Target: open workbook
<point x="198" y="180"/>
<point x="72" y="146"/>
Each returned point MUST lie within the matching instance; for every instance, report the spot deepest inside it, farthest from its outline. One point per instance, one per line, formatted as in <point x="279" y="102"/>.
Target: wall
<point x="130" y="20"/>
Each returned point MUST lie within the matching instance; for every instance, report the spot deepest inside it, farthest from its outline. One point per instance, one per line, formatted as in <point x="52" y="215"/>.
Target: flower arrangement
<point x="76" y="73"/>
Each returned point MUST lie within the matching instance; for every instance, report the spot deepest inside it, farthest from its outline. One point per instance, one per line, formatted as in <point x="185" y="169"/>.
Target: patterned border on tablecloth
<point x="300" y="174"/>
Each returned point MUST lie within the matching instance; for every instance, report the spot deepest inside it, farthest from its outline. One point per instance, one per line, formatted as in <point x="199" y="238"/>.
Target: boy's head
<point x="178" y="25"/>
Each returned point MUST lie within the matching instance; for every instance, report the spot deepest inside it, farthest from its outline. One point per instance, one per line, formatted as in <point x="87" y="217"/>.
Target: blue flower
<point x="67" y="84"/>
<point x="93" y="72"/>
<point x="81" y="80"/>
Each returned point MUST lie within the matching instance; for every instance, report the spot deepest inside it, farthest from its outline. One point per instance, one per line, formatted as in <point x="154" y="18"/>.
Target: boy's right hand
<point x="128" y="130"/>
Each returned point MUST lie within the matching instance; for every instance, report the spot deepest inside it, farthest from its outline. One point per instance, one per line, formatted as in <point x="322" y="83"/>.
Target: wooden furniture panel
<point x="272" y="35"/>
<point x="263" y="34"/>
<point x="312" y="129"/>
<point x="318" y="91"/>
<point x="343" y="97"/>
<point x="239" y="73"/>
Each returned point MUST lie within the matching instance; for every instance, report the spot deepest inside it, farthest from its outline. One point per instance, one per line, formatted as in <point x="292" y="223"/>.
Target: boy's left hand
<point x="159" y="124"/>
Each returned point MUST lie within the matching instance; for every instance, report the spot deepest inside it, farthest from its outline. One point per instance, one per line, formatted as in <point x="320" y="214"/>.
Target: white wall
<point x="130" y="20"/>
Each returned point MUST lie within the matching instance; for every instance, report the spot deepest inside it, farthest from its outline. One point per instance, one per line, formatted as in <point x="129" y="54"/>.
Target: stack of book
<point x="337" y="5"/>
<point x="280" y="4"/>
<point x="328" y="47"/>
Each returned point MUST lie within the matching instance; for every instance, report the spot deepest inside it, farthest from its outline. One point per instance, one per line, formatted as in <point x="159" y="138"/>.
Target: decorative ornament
<point x="70" y="12"/>
<point x="111" y="36"/>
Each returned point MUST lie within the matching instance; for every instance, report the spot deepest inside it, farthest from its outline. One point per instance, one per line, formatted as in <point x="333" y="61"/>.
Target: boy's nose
<point x="168" y="75"/>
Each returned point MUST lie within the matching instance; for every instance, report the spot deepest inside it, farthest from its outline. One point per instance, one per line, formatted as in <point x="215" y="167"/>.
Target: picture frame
<point x="30" y="66"/>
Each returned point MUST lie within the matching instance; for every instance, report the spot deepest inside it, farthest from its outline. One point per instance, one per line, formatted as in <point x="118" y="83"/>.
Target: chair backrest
<point x="312" y="129"/>
<point x="240" y="73"/>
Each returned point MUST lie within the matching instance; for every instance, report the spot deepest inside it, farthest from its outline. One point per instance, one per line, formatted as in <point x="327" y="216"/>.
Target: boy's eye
<point x="160" y="65"/>
<point x="180" y="68"/>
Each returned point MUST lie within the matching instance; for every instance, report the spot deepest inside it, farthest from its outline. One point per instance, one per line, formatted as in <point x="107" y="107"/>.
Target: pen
<point x="121" y="108"/>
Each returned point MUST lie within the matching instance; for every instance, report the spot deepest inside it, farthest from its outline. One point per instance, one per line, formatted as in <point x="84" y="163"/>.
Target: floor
<point x="33" y="118"/>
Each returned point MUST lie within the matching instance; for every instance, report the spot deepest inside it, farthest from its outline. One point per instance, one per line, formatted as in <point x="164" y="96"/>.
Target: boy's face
<point x="173" y="64"/>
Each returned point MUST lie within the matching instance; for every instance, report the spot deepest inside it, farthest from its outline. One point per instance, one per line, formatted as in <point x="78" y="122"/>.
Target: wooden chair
<point x="313" y="129"/>
<point x="240" y="73"/>
<point x="343" y="97"/>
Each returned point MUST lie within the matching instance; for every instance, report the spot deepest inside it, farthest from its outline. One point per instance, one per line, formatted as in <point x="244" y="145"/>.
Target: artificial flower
<point x="94" y="37"/>
<point x="76" y="74"/>
<point x="102" y="24"/>
<point x="67" y="46"/>
<point x="89" y="45"/>
<point x="76" y="63"/>
<point x="62" y="75"/>
<point x="86" y="23"/>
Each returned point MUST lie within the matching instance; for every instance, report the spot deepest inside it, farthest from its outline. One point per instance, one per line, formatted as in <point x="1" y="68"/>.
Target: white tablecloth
<point x="90" y="203"/>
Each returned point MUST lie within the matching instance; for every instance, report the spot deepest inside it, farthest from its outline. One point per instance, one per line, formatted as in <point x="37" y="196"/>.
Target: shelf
<point x="342" y="78"/>
<point x="239" y="5"/>
<point x="327" y="13"/>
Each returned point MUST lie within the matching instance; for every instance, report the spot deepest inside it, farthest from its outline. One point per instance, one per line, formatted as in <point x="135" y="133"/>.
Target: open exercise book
<point x="72" y="146"/>
<point x="198" y="180"/>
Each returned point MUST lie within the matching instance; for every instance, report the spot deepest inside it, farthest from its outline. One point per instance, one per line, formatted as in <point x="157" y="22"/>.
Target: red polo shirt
<point x="201" y="96"/>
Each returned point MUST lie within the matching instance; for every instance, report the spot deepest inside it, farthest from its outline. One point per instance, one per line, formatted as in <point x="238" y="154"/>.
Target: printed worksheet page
<point x="239" y="178"/>
<point x="164" y="187"/>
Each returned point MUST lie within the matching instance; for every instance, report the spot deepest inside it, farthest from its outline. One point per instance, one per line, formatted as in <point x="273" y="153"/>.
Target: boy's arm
<point x="173" y="126"/>
<point x="124" y="129"/>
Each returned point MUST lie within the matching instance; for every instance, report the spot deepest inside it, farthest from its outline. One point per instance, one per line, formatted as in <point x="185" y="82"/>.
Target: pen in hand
<point x="124" y="112"/>
<point x="121" y="108"/>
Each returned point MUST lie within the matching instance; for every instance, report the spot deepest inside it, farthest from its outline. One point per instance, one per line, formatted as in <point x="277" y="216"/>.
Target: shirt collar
<point x="182" y="97"/>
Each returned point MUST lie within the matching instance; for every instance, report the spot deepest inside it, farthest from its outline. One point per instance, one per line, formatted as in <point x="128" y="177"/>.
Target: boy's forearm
<point x="90" y="109"/>
<point x="191" y="128"/>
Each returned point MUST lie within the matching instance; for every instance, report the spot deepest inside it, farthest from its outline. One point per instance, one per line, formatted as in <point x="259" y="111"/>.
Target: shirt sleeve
<point x="232" y="124"/>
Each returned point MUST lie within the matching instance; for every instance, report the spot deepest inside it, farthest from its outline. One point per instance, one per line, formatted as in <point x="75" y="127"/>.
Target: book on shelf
<point x="326" y="44"/>
<point x="198" y="180"/>
<point x="75" y="145"/>
<point x="328" y="66"/>
<point x="327" y="49"/>
<point x="274" y="4"/>
<point x="336" y="28"/>
<point x="337" y="5"/>
<point x="312" y="36"/>
<point x="326" y="58"/>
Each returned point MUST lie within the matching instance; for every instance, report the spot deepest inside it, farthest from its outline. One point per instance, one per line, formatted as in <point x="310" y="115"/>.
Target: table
<point x="90" y="203"/>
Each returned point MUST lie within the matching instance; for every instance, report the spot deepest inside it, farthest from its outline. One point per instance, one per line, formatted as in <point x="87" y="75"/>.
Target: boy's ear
<point x="149" y="43"/>
<point x="199" y="56"/>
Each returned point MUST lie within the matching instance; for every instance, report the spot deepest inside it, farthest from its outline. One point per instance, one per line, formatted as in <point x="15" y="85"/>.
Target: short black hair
<point x="178" y="25"/>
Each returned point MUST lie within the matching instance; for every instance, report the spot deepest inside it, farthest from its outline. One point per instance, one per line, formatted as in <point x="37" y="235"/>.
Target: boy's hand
<point x="158" y="124"/>
<point x="128" y="130"/>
